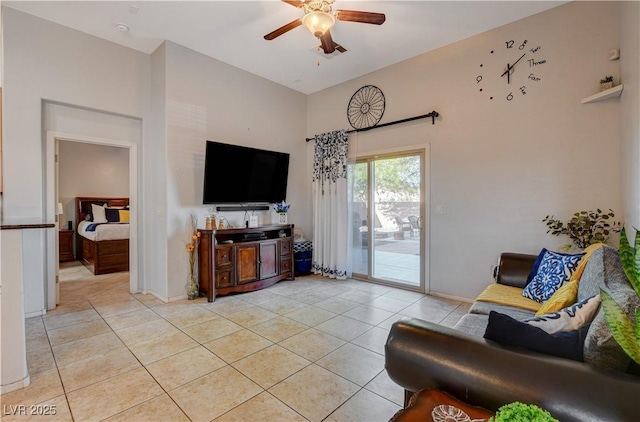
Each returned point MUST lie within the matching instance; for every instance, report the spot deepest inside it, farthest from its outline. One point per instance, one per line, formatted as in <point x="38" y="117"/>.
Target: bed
<point x="106" y="249"/>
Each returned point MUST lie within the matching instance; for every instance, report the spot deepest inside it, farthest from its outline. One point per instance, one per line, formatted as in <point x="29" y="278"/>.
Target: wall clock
<point x="511" y="70"/>
<point x="366" y="107"/>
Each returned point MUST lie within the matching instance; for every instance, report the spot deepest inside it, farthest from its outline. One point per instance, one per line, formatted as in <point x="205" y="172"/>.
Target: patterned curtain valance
<point x="330" y="157"/>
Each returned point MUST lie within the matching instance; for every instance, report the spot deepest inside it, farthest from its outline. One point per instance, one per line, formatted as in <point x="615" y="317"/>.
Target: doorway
<point x="387" y="199"/>
<point x="52" y="199"/>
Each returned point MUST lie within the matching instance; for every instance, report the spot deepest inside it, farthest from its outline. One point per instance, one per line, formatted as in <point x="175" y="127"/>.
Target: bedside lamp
<point x="60" y="211"/>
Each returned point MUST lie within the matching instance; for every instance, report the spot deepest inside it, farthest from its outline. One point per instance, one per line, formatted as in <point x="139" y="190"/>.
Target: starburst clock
<point x="510" y="71"/>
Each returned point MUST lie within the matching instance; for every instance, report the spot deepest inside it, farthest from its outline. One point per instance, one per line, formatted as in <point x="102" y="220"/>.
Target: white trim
<point x="50" y="201"/>
<point x="425" y="149"/>
<point x="15" y="385"/>
<point x="452" y="297"/>
<point x="36" y="313"/>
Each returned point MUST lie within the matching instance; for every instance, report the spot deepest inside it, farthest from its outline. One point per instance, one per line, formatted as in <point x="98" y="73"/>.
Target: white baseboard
<point x="15" y="385"/>
<point x="458" y="298"/>
<point x="36" y="313"/>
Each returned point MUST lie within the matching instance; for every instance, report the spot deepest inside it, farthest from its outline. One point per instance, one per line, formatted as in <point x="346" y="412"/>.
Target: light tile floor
<point x="309" y="349"/>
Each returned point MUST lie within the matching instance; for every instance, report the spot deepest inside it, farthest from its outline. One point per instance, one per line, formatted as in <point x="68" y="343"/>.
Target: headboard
<point x="83" y="205"/>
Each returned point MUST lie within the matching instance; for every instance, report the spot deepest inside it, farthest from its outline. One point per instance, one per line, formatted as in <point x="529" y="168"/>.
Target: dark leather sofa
<point x="421" y="354"/>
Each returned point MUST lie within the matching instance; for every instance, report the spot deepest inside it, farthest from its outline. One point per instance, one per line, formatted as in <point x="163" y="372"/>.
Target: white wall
<point x="50" y="79"/>
<point x="81" y="163"/>
<point x="155" y="194"/>
<point x="210" y="100"/>
<point x="90" y="170"/>
<point x="630" y="110"/>
<point x="499" y="167"/>
<point x="46" y="63"/>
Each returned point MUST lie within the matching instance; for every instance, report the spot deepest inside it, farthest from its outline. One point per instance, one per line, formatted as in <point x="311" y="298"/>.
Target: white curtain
<point x="330" y="205"/>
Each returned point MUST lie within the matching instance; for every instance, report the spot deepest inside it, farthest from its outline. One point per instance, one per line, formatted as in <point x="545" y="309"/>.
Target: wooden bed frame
<point x="105" y="256"/>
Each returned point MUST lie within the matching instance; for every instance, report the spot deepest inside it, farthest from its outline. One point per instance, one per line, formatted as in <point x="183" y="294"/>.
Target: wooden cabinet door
<point x="269" y="263"/>
<point x="247" y="263"/>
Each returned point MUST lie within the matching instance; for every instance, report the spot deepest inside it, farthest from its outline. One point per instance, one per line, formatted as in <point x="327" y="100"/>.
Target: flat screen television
<point x="237" y="175"/>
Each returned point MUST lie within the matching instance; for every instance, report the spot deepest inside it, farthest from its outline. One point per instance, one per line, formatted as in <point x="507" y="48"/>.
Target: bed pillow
<point x="124" y="216"/>
<point x="506" y="330"/>
<point x="555" y="268"/>
<point x="568" y="319"/>
<point x="98" y="214"/>
<point x="112" y="214"/>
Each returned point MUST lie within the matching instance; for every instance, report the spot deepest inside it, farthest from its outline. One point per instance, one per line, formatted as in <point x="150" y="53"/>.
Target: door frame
<point x="51" y="200"/>
<point x="425" y="232"/>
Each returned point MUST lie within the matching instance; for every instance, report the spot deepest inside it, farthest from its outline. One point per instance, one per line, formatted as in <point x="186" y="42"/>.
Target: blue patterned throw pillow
<point x="536" y="265"/>
<point x="555" y="268"/>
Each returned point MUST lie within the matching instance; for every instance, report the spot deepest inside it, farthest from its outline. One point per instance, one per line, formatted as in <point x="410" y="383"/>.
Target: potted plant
<point x="282" y="208"/>
<point x="520" y="412"/>
<point x="584" y="228"/>
<point x="622" y="329"/>
<point x="606" y="83"/>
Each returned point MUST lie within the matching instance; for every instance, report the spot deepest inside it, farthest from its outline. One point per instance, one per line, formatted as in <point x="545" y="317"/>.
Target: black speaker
<point x="69" y="225"/>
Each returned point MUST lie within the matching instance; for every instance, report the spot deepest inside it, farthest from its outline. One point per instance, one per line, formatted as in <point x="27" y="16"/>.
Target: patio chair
<point x="414" y="222"/>
<point x="403" y="226"/>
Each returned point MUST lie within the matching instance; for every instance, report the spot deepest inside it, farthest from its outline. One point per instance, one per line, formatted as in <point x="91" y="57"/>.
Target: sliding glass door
<point x="387" y="219"/>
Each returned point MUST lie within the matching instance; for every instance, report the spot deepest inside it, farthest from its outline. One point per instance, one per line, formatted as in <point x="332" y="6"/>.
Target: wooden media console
<point x="243" y="260"/>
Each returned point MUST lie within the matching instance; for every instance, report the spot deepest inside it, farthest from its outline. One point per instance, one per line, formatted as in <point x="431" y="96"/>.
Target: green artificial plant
<point x="520" y="412"/>
<point x="622" y="329"/>
<point x="585" y="227"/>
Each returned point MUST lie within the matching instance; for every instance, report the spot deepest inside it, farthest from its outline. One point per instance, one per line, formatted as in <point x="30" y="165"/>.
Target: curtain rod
<point x="433" y="116"/>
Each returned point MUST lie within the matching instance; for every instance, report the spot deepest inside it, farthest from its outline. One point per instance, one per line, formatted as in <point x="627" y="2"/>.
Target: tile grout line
<point x="230" y="364"/>
<point x="55" y="360"/>
<point x="251" y="329"/>
<point x="310" y="362"/>
<point x="66" y="394"/>
<point x="146" y="369"/>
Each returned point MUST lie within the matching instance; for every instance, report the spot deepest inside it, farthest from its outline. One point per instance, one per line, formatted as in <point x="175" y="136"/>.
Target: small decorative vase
<point x="605" y="85"/>
<point x="283" y="217"/>
<point x="193" y="289"/>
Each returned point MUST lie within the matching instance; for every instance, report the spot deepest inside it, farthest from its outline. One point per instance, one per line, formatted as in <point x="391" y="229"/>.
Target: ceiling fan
<point x="319" y="19"/>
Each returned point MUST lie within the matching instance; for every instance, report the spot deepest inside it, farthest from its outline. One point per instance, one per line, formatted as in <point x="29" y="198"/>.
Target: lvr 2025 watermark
<point x="32" y="410"/>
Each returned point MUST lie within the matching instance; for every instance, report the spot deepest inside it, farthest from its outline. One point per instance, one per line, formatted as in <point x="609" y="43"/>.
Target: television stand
<point x="243" y="260"/>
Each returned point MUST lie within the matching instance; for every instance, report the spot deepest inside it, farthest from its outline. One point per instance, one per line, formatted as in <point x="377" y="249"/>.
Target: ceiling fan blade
<point x="283" y="29"/>
<point x="294" y="3"/>
<point x="327" y="43"/>
<point x="363" y="17"/>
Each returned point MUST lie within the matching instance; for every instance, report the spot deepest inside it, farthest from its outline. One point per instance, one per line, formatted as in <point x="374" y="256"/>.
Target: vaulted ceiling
<point x="232" y="31"/>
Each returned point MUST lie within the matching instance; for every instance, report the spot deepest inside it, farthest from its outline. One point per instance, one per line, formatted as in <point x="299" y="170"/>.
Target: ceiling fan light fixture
<point x="318" y="22"/>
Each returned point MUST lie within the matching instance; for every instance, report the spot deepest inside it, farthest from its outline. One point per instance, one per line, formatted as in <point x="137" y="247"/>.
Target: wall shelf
<point x="608" y="93"/>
